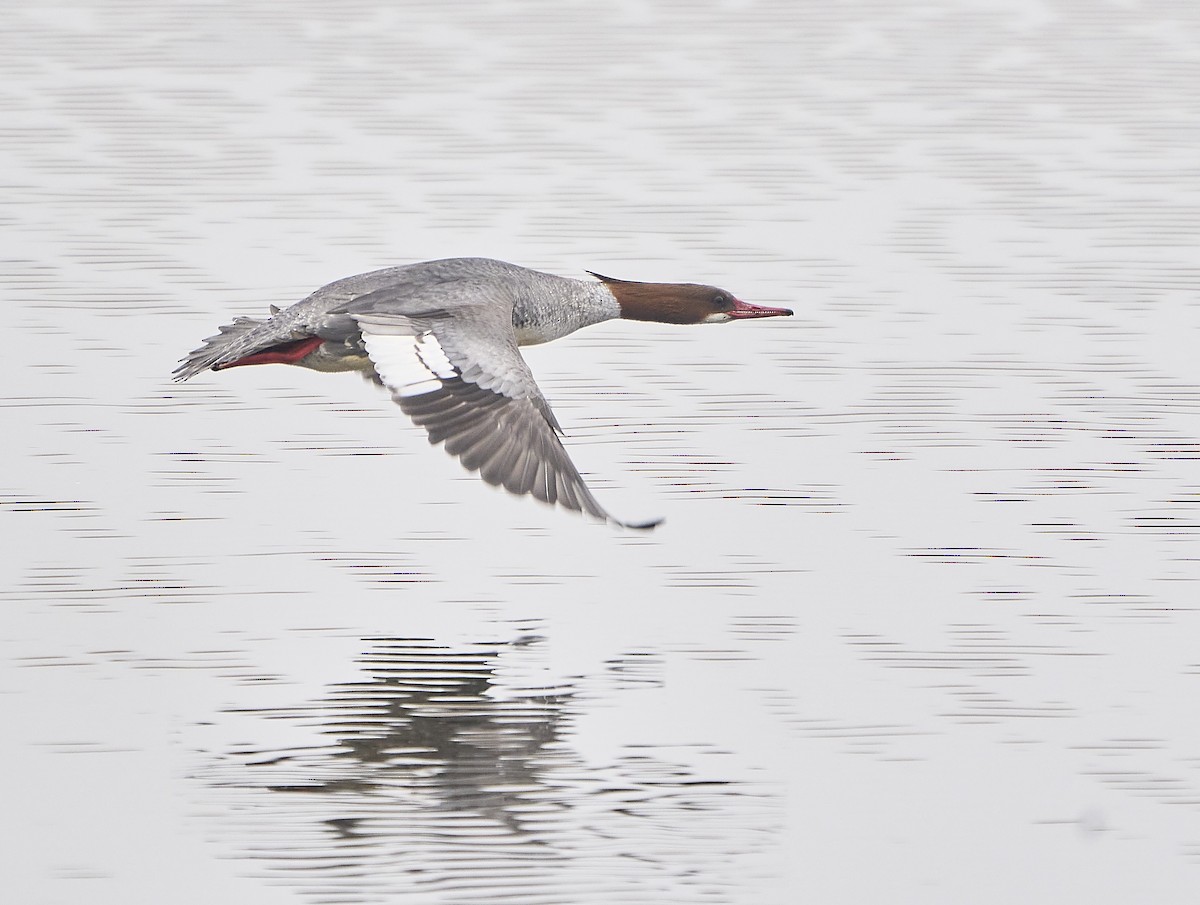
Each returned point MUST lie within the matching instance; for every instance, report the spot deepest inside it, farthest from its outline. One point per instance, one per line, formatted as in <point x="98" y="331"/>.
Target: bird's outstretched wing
<point x="461" y="377"/>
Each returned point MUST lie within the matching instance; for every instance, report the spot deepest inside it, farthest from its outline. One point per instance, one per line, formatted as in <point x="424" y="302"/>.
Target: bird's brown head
<point x="682" y="303"/>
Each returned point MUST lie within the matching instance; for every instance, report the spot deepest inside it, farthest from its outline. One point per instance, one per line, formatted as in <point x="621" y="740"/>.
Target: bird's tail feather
<point x="237" y="340"/>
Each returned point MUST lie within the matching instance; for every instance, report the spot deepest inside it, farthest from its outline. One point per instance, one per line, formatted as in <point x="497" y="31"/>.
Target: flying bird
<point x="443" y="337"/>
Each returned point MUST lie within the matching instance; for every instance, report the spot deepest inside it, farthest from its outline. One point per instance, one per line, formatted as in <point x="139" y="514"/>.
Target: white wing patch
<point x="409" y="363"/>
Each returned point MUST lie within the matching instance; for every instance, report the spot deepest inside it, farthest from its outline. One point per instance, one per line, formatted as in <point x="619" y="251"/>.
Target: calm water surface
<point x="921" y="625"/>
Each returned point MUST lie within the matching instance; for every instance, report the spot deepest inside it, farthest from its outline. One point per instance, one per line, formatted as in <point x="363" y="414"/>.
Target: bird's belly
<point x="336" y="356"/>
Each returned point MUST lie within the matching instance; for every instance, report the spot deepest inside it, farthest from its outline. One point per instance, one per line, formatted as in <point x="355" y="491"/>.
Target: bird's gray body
<point x="541" y="307"/>
<point x="442" y="336"/>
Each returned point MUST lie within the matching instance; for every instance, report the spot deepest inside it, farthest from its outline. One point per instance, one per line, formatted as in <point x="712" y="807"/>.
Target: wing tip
<point x="648" y="525"/>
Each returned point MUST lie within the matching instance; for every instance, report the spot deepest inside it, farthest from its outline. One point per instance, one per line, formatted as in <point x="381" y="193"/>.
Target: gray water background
<point x="921" y="625"/>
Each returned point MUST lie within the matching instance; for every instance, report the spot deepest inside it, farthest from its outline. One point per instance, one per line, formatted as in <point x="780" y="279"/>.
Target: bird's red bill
<point x="746" y="310"/>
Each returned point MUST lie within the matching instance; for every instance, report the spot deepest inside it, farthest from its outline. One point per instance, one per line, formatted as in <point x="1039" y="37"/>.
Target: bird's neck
<point x="561" y="306"/>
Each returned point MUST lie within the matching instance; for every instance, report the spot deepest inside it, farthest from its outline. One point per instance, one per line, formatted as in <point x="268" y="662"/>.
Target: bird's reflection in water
<point x="425" y="729"/>
<point x="444" y="774"/>
<point x="422" y="726"/>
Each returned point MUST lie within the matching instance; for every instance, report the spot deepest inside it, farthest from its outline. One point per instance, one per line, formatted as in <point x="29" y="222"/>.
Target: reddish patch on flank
<point x="283" y="354"/>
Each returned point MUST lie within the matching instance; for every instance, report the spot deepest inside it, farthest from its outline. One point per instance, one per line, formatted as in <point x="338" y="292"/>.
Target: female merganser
<point x="442" y="336"/>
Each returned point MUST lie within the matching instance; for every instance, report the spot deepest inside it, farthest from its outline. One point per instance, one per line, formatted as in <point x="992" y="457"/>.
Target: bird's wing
<point x="461" y="377"/>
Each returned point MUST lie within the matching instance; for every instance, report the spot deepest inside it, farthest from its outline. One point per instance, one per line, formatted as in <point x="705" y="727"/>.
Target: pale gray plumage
<point x="541" y="306"/>
<point x="443" y="337"/>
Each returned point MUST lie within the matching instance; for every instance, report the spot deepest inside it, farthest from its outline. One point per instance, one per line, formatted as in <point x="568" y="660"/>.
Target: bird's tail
<point x="243" y="337"/>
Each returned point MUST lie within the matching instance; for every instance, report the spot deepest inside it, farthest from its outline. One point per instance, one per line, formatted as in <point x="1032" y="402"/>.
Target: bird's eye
<point x="721" y="301"/>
